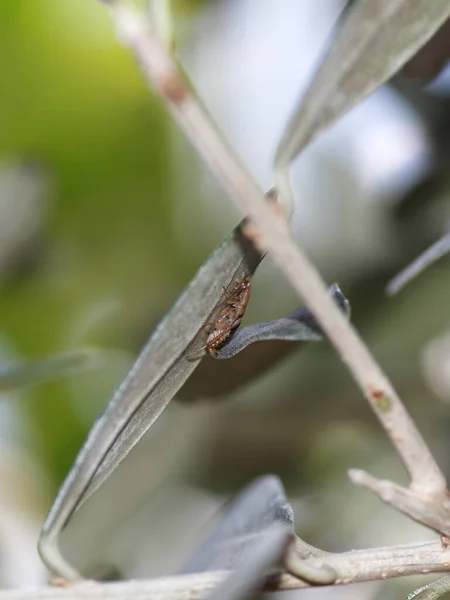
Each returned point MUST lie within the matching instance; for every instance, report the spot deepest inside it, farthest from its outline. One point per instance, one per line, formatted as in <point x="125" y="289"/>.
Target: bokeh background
<point x="106" y="213"/>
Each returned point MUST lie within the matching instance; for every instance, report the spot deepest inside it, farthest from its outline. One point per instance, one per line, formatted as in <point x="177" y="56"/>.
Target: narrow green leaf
<point x="258" y="507"/>
<point x="374" y="39"/>
<point x="153" y="380"/>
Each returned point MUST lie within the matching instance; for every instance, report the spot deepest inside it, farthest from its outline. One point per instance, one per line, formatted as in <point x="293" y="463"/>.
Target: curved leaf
<point x="374" y="39"/>
<point x="219" y="378"/>
<point x="299" y="326"/>
<point x="153" y="380"/>
<point x="262" y="561"/>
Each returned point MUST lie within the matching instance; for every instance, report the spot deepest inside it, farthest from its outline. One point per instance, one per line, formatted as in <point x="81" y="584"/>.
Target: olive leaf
<point x="262" y="561"/>
<point x="374" y="39"/>
<point x="258" y="507"/>
<point x="50" y="368"/>
<point x="432" y="591"/>
<point x="153" y="380"/>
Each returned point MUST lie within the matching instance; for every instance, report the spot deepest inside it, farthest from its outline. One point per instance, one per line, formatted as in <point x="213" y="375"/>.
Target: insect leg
<point x="197" y="354"/>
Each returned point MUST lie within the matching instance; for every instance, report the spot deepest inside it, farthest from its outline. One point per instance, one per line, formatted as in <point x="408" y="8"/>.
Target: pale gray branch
<point x="271" y="232"/>
<point x="182" y="587"/>
<point x="371" y="564"/>
<point x="348" y="567"/>
<point x="186" y="587"/>
<point x="427" y="258"/>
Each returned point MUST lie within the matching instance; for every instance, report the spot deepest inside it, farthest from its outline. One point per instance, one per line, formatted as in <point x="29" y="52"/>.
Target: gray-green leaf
<point x="262" y="561"/>
<point x="258" y="507"/>
<point x="153" y="380"/>
<point x="374" y="39"/>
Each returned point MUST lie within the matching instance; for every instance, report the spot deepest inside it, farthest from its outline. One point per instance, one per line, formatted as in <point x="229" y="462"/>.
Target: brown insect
<point x="235" y="302"/>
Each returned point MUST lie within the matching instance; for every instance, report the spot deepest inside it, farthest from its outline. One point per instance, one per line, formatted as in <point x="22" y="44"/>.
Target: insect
<point x="235" y="302"/>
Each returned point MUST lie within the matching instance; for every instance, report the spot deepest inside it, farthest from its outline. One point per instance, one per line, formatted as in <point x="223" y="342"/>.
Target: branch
<point x="271" y="232"/>
<point x="186" y="587"/>
<point x="433" y="512"/>
<point x="348" y="567"/>
<point x="426" y="259"/>
<point x="182" y="587"/>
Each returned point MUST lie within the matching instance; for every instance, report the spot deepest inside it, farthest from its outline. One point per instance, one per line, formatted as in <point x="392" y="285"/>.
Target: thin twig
<point x="185" y="587"/>
<point x="259" y="565"/>
<point x="427" y="258"/>
<point x="428" y="511"/>
<point x="271" y="233"/>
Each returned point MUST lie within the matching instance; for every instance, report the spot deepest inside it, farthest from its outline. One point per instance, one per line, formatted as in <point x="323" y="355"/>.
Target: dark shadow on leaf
<point x="215" y="378"/>
<point x="431" y="58"/>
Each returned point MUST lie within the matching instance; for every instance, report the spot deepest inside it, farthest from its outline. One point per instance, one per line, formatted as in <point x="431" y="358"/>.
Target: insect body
<point x="235" y="302"/>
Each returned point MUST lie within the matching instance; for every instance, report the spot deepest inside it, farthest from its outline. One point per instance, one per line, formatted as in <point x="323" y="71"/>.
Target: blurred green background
<point x="76" y="109"/>
<point x="105" y="215"/>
